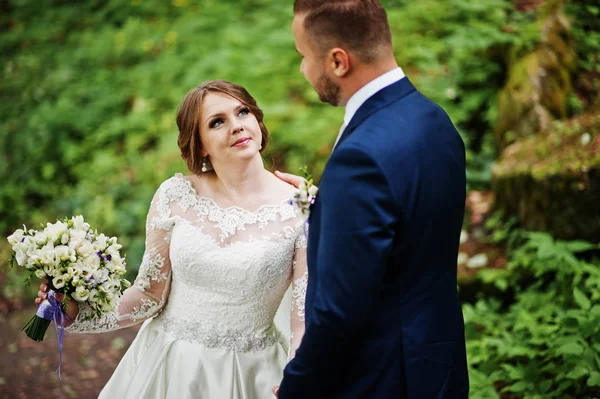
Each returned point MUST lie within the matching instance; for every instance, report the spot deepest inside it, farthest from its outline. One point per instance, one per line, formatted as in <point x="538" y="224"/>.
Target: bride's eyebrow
<point x="214" y="116"/>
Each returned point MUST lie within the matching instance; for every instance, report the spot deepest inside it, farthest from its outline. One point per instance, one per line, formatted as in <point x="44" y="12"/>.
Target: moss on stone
<point x="552" y="181"/>
<point x="539" y="81"/>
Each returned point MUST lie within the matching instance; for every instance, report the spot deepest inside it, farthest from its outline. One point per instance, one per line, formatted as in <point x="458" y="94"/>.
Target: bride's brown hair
<point x="188" y="119"/>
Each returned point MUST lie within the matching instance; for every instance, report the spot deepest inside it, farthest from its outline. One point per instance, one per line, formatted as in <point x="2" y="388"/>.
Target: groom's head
<point x="339" y="40"/>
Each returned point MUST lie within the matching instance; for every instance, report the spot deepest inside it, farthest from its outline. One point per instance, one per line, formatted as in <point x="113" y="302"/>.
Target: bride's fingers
<point x="42" y="295"/>
<point x="289" y="178"/>
<point x="38" y="301"/>
<point x="44" y="287"/>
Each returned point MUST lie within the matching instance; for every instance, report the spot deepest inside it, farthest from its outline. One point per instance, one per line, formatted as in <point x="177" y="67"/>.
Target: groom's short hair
<point x="359" y="25"/>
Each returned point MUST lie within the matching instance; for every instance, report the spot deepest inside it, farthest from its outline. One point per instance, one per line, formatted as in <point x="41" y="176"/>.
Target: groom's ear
<point x="339" y="62"/>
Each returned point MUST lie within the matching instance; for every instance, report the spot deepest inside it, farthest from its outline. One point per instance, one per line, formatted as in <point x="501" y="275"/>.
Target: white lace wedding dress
<point x="208" y="289"/>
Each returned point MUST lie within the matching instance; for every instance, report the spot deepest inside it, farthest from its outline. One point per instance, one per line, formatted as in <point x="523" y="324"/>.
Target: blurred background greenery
<point x="89" y="92"/>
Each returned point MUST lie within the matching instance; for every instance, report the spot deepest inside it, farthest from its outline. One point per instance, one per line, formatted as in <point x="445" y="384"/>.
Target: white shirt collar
<point x="368" y="90"/>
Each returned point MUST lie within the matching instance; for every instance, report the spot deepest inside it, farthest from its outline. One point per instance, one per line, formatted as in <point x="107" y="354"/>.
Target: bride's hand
<point x="72" y="306"/>
<point x="289" y="178"/>
<point x="275" y="391"/>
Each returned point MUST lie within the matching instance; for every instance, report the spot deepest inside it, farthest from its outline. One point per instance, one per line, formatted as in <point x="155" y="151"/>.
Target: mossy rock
<point x="539" y="81"/>
<point x="552" y="181"/>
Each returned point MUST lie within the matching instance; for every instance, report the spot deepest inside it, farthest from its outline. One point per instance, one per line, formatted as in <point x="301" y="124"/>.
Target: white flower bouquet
<point x="76" y="261"/>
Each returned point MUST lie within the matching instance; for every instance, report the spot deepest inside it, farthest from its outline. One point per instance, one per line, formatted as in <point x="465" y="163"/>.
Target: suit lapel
<point x="382" y="98"/>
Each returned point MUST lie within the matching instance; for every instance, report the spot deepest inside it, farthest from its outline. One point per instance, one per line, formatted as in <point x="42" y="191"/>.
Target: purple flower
<point x="22" y="239"/>
<point x="108" y="258"/>
<point x="99" y="254"/>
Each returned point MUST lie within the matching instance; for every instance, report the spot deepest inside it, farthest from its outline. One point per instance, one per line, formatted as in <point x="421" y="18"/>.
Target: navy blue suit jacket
<point x="383" y="318"/>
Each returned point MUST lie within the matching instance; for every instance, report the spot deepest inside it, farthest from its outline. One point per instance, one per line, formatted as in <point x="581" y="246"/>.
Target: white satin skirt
<point x="159" y="366"/>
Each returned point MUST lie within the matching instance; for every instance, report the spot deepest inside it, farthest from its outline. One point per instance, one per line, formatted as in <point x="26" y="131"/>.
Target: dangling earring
<point x="204" y="168"/>
<point x="260" y="148"/>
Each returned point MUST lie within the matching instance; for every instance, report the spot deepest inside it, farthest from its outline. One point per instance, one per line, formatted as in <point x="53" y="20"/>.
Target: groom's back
<point x="413" y="342"/>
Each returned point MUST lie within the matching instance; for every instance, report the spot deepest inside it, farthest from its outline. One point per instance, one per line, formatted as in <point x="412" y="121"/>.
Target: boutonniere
<point x="305" y="194"/>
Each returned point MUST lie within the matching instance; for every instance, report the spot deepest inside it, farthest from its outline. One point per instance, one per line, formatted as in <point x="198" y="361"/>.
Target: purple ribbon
<point x="52" y="310"/>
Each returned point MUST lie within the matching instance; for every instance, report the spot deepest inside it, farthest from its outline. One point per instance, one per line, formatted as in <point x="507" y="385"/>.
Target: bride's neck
<point x="239" y="182"/>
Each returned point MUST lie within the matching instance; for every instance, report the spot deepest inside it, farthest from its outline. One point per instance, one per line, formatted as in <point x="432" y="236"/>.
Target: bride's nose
<point x="236" y="126"/>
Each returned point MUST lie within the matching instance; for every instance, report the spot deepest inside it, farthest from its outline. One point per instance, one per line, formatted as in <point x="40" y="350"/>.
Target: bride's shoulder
<point x="175" y="186"/>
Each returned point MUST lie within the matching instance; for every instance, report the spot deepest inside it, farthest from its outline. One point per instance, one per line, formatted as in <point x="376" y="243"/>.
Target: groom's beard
<point x="327" y="90"/>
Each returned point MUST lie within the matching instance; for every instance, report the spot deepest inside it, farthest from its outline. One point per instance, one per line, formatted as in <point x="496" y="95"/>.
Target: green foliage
<point x="586" y="32"/>
<point x="541" y="339"/>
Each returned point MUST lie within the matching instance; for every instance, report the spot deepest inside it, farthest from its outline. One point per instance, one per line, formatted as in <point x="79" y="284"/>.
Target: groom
<point x="383" y="319"/>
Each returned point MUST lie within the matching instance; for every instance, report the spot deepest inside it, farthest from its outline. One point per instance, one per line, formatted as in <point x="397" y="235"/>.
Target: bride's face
<point x="228" y="130"/>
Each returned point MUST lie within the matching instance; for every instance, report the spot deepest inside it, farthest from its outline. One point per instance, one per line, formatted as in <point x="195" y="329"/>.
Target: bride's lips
<point x="241" y="142"/>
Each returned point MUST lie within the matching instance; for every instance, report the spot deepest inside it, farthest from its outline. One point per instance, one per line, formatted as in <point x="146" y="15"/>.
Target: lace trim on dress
<point x="299" y="295"/>
<point x="89" y="323"/>
<point x="150" y="269"/>
<point x="228" y="220"/>
<point x="232" y="340"/>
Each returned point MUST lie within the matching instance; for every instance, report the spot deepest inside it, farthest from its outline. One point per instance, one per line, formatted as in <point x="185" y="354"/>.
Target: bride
<point x="222" y="247"/>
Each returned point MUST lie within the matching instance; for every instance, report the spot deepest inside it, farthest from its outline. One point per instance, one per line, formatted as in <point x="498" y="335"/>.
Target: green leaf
<point x="519" y="386"/>
<point x="572" y="348"/>
<point x="579" y="246"/>
<point x="581" y="299"/>
<point x="594" y="380"/>
<point x="577" y="373"/>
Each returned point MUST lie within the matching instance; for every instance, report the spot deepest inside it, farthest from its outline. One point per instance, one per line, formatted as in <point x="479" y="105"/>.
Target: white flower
<point x="93" y="295"/>
<point x="77" y="237"/>
<point x="304" y="198"/>
<point x="86" y="249"/>
<point x="79" y="223"/>
<point x="58" y="282"/>
<point x="16" y="237"/>
<point x="86" y="273"/>
<point x="56" y="230"/>
<point x="113" y="251"/>
<point x="31" y="263"/>
<point x="64" y="239"/>
<point x="100" y="275"/>
<point x="48" y="258"/>
<point x="80" y="294"/>
<point x="21" y="258"/>
<point x="100" y="244"/>
<point x="92" y="262"/>
<point x="49" y="269"/>
<point x="65" y="253"/>
<point x="41" y="238"/>
<point x="39" y="273"/>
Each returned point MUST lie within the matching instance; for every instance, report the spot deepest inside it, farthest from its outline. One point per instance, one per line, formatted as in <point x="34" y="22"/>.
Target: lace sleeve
<point x="147" y="296"/>
<point x="299" y="283"/>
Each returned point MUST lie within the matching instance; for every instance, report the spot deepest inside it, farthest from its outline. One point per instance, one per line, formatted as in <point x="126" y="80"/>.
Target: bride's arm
<point x="299" y="282"/>
<point x="148" y="295"/>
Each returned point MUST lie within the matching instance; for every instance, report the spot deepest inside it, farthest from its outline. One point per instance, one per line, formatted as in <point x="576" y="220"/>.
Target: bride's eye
<point x="215" y="123"/>
<point x="243" y="112"/>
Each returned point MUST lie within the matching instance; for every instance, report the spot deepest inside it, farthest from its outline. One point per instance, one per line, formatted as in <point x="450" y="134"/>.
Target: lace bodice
<point x="216" y="275"/>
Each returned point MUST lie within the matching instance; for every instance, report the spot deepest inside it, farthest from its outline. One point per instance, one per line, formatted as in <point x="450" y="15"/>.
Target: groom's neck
<point x="361" y="75"/>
